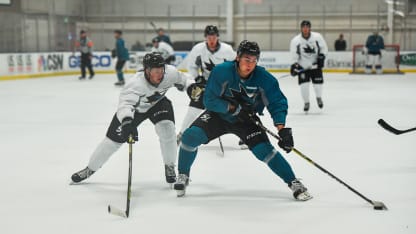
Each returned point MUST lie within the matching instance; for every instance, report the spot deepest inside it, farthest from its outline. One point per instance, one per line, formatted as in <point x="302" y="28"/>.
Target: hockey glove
<point x="127" y="129"/>
<point x="195" y="91"/>
<point x="286" y="142"/>
<point x="320" y="61"/>
<point x="295" y="69"/>
<point x="113" y="53"/>
<point x="243" y="113"/>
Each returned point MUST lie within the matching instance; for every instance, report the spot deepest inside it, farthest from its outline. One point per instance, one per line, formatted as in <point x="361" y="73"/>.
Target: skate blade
<point x="304" y="196"/>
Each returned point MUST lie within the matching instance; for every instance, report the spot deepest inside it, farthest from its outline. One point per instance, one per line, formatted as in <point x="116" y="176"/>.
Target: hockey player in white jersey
<point x="203" y="58"/>
<point x="164" y="49"/>
<point x="143" y="97"/>
<point x="308" y="51"/>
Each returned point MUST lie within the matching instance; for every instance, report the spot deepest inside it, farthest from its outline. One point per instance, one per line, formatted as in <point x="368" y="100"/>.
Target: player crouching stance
<point x="143" y="98"/>
<point x="234" y="93"/>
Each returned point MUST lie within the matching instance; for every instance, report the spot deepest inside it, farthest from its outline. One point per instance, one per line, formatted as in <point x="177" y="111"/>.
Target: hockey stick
<point x="154" y="26"/>
<point x="389" y="128"/>
<point x="113" y="210"/>
<point x="221" y="147"/>
<point x="377" y="205"/>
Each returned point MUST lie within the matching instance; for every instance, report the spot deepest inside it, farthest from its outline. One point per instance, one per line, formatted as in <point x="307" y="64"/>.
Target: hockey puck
<point x="378" y="207"/>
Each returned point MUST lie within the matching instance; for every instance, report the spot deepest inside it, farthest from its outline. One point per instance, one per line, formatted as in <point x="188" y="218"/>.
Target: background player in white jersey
<point x="164" y="49"/>
<point x="143" y="98"/>
<point x="308" y="51"/>
<point x="204" y="56"/>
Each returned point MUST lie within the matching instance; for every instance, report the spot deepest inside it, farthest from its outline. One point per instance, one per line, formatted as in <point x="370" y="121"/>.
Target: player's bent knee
<point x="192" y="138"/>
<point x="264" y="152"/>
<point x="165" y="129"/>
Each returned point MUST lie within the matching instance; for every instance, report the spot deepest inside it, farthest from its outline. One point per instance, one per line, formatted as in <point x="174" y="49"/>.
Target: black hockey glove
<point x="127" y="129"/>
<point x="286" y="142"/>
<point x="295" y="69"/>
<point x="243" y="113"/>
<point x="320" y="61"/>
<point x="195" y="91"/>
<point x="113" y="53"/>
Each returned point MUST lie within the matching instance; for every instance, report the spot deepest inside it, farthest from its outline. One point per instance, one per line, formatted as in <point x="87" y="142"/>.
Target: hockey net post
<point x="390" y="59"/>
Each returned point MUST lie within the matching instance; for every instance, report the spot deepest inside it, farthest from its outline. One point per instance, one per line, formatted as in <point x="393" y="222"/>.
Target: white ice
<point x="50" y="126"/>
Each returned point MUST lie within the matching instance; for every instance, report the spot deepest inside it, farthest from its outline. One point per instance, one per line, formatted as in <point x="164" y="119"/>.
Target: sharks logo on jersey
<point x="209" y="66"/>
<point x="309" y="49"/>
<point x="244" y="96"/>
<point x="156" y="96"/>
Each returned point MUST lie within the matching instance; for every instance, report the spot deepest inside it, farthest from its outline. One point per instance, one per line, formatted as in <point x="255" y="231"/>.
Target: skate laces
<point x="182" y="179"/>
<point x="170" y="170"/>
<point x="85" y="173"/>
<point x="296" y="185"/>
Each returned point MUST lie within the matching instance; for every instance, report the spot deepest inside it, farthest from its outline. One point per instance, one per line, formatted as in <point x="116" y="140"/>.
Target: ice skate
<point x="300" y="192"/>
<point x="82" y="175"/>
<point x="119" y="83"/>
<point x="81" y="78"/>
<point x="306" y="107"/>
<point x="242" y="145"/>
<point x="170" y="174"/>
<point x="91" y="76"/>
<point x="320" y="103"/>
<point x="180" y="185"/>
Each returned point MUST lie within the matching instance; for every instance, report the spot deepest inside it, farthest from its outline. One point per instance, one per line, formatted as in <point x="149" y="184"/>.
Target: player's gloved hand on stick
<point x="286" y="142"/>
<point x="320" y="60"/>
<point x="127" y="129"/>
<point x="242" y="112"/>
<point x="295" y="69"/>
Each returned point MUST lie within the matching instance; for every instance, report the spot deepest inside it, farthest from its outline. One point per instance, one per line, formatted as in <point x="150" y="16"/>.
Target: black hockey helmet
<point x="248" y="47"/>
<point x="305" y="23"/>
<point x="156" y="39"/>
<point x="211" y="30"/>
<point x="152" y="60"/>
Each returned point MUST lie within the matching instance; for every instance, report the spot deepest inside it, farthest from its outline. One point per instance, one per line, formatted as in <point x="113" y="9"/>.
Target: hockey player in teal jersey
<point x="235" y="92"/>
<point x="122" y="55"/>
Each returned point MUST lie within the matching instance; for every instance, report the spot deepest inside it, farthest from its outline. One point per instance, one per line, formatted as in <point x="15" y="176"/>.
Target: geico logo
<point x="97" y="61"/>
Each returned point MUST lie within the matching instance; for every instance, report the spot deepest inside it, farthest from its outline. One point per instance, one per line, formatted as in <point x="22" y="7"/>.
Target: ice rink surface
<point x="50" y="126"/>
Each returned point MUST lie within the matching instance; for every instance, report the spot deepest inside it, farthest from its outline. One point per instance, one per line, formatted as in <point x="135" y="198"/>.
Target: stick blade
<point x="389" y="128"/>
<point x="115" y="211"/>
<point x="378" y="205"/>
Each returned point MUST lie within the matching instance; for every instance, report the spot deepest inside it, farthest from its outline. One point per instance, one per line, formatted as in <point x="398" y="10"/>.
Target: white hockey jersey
<point x="164" y="49"/>
<point x="305" y="51"/>
<point x="139" y="95"/>
<point x="208" y="59"/>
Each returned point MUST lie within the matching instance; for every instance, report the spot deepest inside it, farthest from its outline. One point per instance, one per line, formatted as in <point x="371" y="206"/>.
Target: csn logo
<point x="97" y="61"/>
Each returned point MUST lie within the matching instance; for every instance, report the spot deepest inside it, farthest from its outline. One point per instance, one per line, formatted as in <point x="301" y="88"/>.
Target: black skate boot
<point x="300" y="192"/>
<point x="119" y="83"/>
<point x="170" y="174"/>
<point x="82" y="175"/>
<point x="306" y="107"/>
<point x="320" y="103"/>
<point x="180" y="185"/>
<point x="81" y="78"/>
